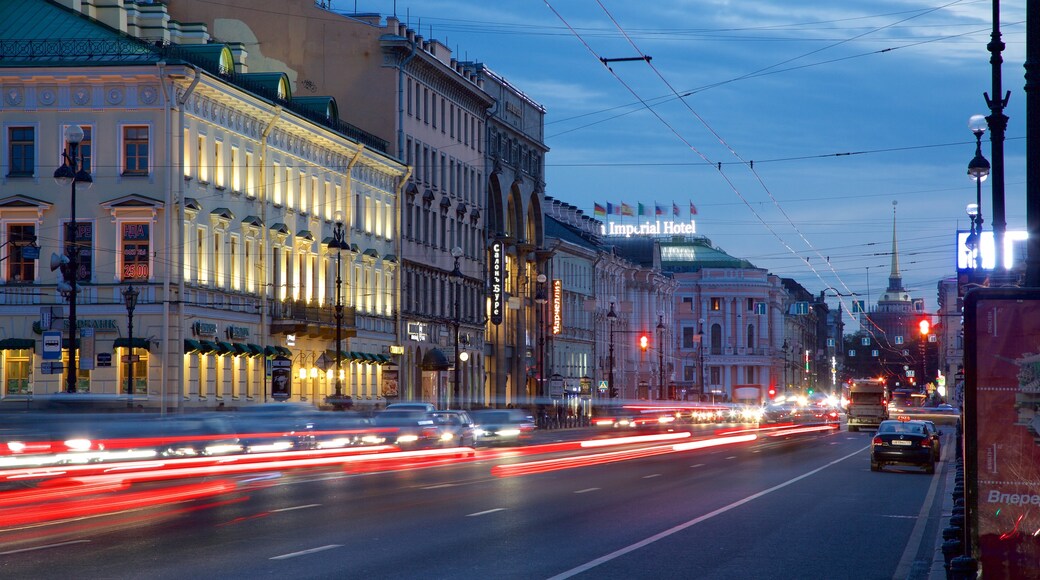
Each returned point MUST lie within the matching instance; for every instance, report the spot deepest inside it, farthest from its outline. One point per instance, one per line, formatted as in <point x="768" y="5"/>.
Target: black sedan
<point x="903" y="442"/>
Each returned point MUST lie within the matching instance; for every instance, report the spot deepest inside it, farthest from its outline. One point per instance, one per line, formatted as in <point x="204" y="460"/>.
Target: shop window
<point x="17" y="368"/>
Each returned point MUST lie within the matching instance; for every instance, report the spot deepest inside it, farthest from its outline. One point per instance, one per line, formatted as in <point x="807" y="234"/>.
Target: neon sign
<point x="557" y="307"/>
<point x="654" y="228"/>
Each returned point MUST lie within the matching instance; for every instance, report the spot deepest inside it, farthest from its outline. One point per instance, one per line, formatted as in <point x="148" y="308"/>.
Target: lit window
<point x="20" y="269"/>
<point x="17" y="369"/>
<point x="135" y="150"/>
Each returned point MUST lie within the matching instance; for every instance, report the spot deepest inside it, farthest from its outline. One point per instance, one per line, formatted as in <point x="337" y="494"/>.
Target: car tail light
<point x="877" y="441"/>
<point x="926" y="443"/>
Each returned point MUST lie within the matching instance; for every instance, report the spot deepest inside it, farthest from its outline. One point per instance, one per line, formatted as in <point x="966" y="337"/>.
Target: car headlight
<point x="407" y="438"/>
<point x="509" y="432"/>
<point x="447" y="436"/>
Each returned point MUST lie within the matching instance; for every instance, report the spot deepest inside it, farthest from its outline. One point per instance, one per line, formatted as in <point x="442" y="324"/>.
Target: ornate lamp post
<point x="456" y="253"/>
<point x="786" y="347"/>
<point x="339" y="243"/>
<point x="130" y="298"/>
<point x="660" y="357"/>
<point x="70" y="173"/>
<point x="978" y="170"/>
<point x="611" y="319"/>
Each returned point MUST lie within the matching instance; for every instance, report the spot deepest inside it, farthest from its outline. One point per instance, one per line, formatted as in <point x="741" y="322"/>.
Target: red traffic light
<point x="924" y="325"/>
<point x="644" y="342"/>
<point x="772" y="392"/>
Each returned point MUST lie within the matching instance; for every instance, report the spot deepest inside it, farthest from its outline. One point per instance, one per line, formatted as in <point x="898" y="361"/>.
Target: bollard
<point x="957" y="521"/>
<point x="950" y="550"/>
<point x="952" y="533"/>
<point x="963" y="568"/>
<point x="959" y="502"/>
<point x="957" y="510"/>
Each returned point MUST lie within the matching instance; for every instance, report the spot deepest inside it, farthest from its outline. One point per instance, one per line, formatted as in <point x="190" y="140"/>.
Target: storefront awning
<point x="208" y="347"/>
<point x="138" y="343"/>
<point x="225" y="348"/>
<point x="17" y="344"/>
<point x="241" y="349"/>
<point x="191" y="346"/>
<point x="282" y="351"/>
<point x="256" y="349"/>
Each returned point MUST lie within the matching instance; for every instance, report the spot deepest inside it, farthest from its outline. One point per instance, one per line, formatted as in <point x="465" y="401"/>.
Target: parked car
<point x="456" y="428"/>
<point x="902" y="442"/>
<point x="414" y="406"/>
<point x="496" y="426"/>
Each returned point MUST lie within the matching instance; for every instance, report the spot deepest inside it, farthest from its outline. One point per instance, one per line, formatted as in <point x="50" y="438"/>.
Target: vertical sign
<point x="281" y="378"/>
<point x="52" y="345"/>
<point x="557" y="307"/>
<point x="135" y="251"/>
<point x="1002" y="429"/>
<point x="86" y="349"/>
<point x="497" y="290"/>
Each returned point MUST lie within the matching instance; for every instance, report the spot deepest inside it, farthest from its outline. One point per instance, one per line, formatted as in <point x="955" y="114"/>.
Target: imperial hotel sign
<point x="654" y="228"/>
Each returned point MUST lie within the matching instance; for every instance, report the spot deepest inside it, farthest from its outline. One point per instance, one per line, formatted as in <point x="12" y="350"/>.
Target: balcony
<point x="303" y="319"/>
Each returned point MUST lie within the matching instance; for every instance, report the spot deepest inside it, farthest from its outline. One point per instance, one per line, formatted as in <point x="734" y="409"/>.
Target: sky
<point x="792" y="125"/>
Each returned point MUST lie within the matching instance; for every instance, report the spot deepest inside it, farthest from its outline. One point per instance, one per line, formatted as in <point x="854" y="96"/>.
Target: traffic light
<point x="924" y="325"/>
<point x="772" y="392"/>
<point x="811" y="391"/>
<point x="614" y="392"/>
<point x="644" y="342"/>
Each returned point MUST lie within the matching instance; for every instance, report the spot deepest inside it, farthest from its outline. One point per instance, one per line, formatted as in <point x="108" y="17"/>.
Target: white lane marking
<point x="732" y="457"/>
<point x="651" y="475"/>
<point x="485" y="512"/>
<point x="899" y="517"/>
<point x="913" y="545"/>
<point x="587" y="490"/>
<point x="305" y="552"/>
<point x="698" y="465"/>
<point x="43" y="547"/>
<point x="756" y="451"/>
<point x="297" y="507"/>
<point x="676" y="529"/>
<point x="439" y="486"/>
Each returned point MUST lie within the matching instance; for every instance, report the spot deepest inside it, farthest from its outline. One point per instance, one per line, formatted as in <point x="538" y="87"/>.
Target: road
<point x="799" y="507"/>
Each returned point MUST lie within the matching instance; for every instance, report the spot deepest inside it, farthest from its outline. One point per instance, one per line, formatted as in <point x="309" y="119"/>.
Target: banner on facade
<point x="390" y="381"/>
<point x="497" y="266"/>
<point x="281" y="378"/>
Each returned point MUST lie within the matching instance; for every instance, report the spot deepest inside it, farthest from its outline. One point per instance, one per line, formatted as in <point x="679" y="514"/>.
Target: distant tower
<point x="894" y="315"/>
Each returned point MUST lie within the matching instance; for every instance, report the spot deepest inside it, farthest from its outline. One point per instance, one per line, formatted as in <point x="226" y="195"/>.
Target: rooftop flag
<point x="675" y="209"/>
<point x="693" y="209"/>
<point x="642" y="209"/>
<point x="598" y="210"/>
<point x="626" y="210"/>
<point x="658" y="209"/>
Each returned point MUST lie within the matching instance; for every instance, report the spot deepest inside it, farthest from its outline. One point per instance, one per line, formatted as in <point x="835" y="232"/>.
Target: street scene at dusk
<point x="368" y="289"/>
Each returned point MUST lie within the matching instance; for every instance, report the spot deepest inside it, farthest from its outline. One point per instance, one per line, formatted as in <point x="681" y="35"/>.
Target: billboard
<point x="1002" y="429"/>
<point x="1014" y="245"/>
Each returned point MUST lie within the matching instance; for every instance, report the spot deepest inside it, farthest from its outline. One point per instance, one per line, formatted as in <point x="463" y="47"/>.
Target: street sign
<point x="603" y="386"/>
<point x="52" y="345"/>
<point x="104" y="359"/>
<point x="52" y="368"/>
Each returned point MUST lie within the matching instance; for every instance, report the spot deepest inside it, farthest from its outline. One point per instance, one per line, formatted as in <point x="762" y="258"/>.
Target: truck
<point x="868" y="403"/>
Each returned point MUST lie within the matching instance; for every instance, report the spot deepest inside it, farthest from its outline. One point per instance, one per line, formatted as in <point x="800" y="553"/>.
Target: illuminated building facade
<point x="215" y="194"/>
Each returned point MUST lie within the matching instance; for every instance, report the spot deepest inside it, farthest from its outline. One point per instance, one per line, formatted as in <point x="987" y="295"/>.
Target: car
<point x="407" y="428"/>
<point x="936" y="436"/>
<point x="495" y="426"/>
<point x="456" y="428"/>
<point x="903" y="441"/>
<point x="414" y="406"/>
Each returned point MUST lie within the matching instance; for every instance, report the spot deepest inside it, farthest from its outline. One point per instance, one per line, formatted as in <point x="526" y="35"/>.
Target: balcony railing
<point x="299" y="316"/>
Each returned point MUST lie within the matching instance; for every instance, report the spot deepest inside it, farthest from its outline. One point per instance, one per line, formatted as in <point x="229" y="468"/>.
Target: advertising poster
<point x="1002" y="430"/>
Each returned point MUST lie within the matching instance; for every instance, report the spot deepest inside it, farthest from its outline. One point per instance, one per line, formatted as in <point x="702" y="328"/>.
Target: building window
<point x="749" y="375"/>
<point x="875" y="353"/>
<point x="716" y="375"/>
<point x="247" y="170"/>
<point x="218" y="164"/>
<point x="83" y="242"/>
<point x="750" y="337"/>
<point x="135" y="251"/>
<point x="17" y="368"/>
<point x="716" y="339"/>
<point x="236" y="266"/>
<point x="21" y="151"/>
<point x="899" y="340"/>
<point x="716" y="304"/>
<point x="20" y="269"/>
<point x="689" y="374"/>
<point x="865" y="341"/>
<point x="140" y="365"/>
<point x="750" y="304"/>
<point x="852" y="352"/>
<point x="135" y="150"/>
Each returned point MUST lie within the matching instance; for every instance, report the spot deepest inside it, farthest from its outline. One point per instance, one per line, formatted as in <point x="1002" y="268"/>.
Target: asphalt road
<point x="805" y="507"/>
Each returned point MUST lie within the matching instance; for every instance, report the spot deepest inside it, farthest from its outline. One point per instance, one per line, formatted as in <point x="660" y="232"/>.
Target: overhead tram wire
<point x="750" y="165"/>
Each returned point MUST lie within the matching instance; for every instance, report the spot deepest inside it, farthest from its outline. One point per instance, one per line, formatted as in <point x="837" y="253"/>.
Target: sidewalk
<point x="938" y="570"/>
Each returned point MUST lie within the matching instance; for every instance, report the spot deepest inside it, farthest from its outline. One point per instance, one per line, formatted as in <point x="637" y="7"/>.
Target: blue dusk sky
<point x="821" y="114"/>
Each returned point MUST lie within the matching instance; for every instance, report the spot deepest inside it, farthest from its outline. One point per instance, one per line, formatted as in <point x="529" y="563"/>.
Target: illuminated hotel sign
<point x="654" y="228"/>
<point x="497" y="291"/>
<point x="557" y="307"/>
<point x="1013" y="240"/>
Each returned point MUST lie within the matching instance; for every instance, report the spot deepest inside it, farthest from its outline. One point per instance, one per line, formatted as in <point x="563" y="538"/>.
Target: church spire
<point x="895" y="281"/>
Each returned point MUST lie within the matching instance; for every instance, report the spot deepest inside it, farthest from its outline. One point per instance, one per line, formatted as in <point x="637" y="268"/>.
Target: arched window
<point x="716" y="339"/>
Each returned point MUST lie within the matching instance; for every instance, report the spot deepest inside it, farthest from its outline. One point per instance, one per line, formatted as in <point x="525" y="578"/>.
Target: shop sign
<point x="557" y="307"/>
<point x="237" y="332"/>
<point x="204" y="329"/>
<point x="497" y="281"/>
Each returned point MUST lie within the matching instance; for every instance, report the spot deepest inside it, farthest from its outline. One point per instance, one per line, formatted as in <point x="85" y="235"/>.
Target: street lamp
<point x="130" y="298"/>
<point x="456" y="253"/>
<point x="541" y="299"/>
<point x="611" y="319"/>
<point x="70" y="173"/>
<point x="786" y="347"/>
<point x="700" y="340"/>
<point x="339" y="243"/>
<point x="978" y="170"/>
<point x="660" y="357"/>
